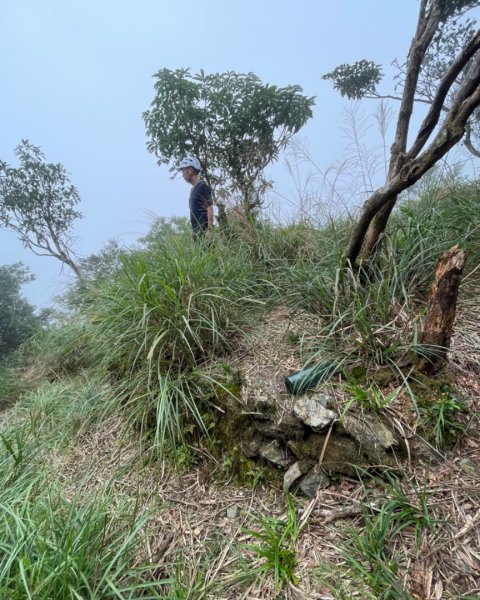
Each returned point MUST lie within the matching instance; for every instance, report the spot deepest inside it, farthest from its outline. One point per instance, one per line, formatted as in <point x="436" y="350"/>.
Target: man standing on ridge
<point x="201" y="204"/>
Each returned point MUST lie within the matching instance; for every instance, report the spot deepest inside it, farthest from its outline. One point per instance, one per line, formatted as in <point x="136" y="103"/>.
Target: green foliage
<point x="370" y="397"/>
<point x="74" y="405"/>
<point x="152" y="340"/>
<point x="275" y="545"/>
<point x="94" y="268"/>
<point x="371" y="554"/>
<point x="175" y="308"/>
<point x="371" y="316"/>
<point x="103" y="265"/>
<point x="454" y="8"/>
<point x="356" y="81"/>
<point x="360" y="79"/>
<point x="371" y="560"/>
<point x="300" y="244"/>
<point x="63" y="349"/>
<point x="439" y="417"/>
<point x="161" y="319"/>
<point x="12" y="384"/>
<point x="164" y="230"/>
<point x="46" y="419"/>
<point x="438" y="217"/>
<point x="18" y="320"/>
<point x="56" y="548"/>
<point x="232" y="122"/>
<point x="452" y="36"/>
<point x="369" y="319"/>
<point x="37" y="203"/>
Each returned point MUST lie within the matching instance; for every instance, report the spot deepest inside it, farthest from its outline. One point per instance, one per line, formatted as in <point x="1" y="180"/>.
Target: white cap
<point x="190" y="161"/>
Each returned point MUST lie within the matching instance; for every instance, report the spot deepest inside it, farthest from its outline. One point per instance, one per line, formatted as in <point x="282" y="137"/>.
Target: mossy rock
<point x="428" y="390"/>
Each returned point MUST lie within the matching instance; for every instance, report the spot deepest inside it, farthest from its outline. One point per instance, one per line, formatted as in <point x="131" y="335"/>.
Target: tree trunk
<point x="377" y="227"/>
<point x="75" y="268"/>
<point x="407" y="167"/>
<point x="222" y="218"/>
<point x="442" y="305"/>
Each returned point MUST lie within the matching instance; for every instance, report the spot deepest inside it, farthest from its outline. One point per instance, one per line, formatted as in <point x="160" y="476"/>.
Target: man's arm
<point x="210" y="215"/>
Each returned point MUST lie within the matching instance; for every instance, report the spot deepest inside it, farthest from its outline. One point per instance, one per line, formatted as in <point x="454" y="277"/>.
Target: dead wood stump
<point x="442" y="306"/>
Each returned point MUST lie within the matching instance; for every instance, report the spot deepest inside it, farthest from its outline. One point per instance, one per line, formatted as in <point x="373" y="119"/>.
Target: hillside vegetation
<point x="118" y="481"/>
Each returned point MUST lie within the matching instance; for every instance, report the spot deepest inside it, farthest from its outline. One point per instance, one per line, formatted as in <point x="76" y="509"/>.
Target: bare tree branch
<point x="437" y="105"/>
<point x="427" y="26"/>
<point x="468" y="141"/>
<point x="451" y="132"/>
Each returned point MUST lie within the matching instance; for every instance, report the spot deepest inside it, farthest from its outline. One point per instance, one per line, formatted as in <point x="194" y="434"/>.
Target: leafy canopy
<point x="356" y="81"/>
<point x="37" y="202"/>
<point x="453" y="33"/>
<point x="17" y="317"/>
<point x="235" y="124"/>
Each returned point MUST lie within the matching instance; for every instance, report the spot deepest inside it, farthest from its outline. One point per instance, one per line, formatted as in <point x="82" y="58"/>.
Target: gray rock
<point x="276" y="454"/>
<point x="233" y="512"/>
<point x="326" y="399"/>
<point x="251" y="447"/>
<point x="313" y="412"/>
<point x="286" y="428"/>
<point x="314" y="481"/>
<point x="376" y="442"/>
<point x="294" y="472"/>
<point x="369" y="432"/>
<point x="340" y="452"/>
<point x="264" y="406"/>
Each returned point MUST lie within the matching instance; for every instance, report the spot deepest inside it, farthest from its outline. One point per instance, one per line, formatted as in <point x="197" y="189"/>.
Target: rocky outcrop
<point x="308" y="439"/>
<point x="313" y="412"/>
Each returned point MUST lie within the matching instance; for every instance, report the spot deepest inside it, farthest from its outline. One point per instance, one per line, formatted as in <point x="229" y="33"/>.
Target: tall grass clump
<point x="51" y="546"/>
<point x="163" y="318"/>
<point x="59" y="411"/>
<point x="369" y="324"/>
<point x="427" y="226"/>
<point x="372" y="315"/>
<point x="58" y="548"/>
<point x="275" y="546"/>
<point x="11" y="384"/>
<point x="60" y="351"/>
<point x="373" y="553"/>
<point x="294" y="243"/>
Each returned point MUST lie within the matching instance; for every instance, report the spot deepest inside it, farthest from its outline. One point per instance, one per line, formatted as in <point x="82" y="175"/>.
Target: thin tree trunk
<point x="442" y="306"/>
<point x="407" y="167"/>
<point x="408" y="170"/>
<point x="377" y="227"/>
<point x="222" y="218"/>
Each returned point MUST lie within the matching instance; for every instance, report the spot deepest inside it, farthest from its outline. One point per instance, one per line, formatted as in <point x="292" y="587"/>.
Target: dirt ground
<point x="209" y="550"/>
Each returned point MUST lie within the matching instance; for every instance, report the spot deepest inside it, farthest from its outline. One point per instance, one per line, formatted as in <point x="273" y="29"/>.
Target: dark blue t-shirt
<point x="200" y="199"/>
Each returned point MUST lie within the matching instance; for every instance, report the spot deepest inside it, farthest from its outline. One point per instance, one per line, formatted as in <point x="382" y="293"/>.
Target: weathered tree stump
<point x="442" y="306"/>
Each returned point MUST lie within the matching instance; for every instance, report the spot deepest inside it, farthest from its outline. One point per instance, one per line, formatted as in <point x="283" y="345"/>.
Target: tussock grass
<point x="63" y="350"/>
<point x="164" y="317"/>
<point x="11" y="384"/>
<point x="142" y="344"/>
<point x="275" y="541"/>
<point x="52" y="547"/>
<point x="372" y="316"/>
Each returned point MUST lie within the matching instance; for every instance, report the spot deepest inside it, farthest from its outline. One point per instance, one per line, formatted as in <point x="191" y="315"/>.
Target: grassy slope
<point x="90" y="505"/>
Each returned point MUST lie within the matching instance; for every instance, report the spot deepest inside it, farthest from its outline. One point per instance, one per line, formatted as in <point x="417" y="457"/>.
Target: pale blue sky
<point x="76" y="76"/>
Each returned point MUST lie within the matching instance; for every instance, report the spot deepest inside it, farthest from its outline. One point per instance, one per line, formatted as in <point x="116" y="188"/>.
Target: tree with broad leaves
<point x="37" y="203"/>
<point x="18" y="320"/>
<point x="451" y="87"/>
<point x="233" y="123"/>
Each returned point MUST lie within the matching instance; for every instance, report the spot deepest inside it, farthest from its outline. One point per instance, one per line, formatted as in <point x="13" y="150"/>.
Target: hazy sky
<point x="75" y="77"/>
